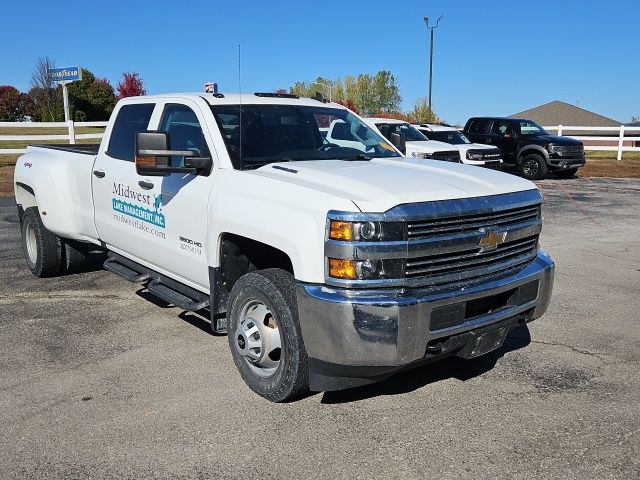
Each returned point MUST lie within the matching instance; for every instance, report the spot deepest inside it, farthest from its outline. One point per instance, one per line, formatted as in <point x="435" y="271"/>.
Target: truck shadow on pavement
<point x="198" y="319"/>
<point x="413" y="379"/>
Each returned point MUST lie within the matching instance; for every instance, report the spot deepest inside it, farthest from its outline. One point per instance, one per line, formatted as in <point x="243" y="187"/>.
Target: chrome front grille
<point x="472" y="263"/>
<point x="451" y="225"/>
<point x="446" y="252"/>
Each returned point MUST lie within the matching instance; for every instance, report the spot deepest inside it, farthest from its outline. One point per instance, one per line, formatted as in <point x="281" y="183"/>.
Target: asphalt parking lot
<point x="99" y="381"/>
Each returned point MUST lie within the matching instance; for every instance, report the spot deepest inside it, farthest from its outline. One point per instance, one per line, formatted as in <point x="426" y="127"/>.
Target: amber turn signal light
<point x="340" y="230"/>
<point x="339" y="268"/>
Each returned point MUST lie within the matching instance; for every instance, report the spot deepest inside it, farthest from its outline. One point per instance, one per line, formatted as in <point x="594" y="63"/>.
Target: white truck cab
<point x="470" y="153"/>
<point x="328" y="264"/>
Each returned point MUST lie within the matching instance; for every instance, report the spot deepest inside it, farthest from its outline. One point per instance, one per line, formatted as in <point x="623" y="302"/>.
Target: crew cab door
<point x="183" y="198"/>
<point x="160" y="222"/>
<point x="504" y="136"/>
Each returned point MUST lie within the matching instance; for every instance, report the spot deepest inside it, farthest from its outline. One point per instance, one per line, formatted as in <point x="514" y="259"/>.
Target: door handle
<point x="99" y="173"/>
<point x="145" y="185"/>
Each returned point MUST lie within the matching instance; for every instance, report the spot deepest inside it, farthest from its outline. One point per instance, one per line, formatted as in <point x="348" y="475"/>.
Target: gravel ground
<point x="98" y="380"/>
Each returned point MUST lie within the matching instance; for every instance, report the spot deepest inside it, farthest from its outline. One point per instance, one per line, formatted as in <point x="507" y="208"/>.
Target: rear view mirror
<point x="399" y="140"/>
<point x="153" y="156"/>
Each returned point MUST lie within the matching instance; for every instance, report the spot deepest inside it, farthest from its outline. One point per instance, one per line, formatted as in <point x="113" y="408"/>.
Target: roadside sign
<point x="65" y="74"/>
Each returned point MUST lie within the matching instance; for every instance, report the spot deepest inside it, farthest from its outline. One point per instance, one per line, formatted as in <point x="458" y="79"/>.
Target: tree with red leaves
<point x="10" y="104"/>
<point x="347" y="103"/>
<point x="130" y="86"/>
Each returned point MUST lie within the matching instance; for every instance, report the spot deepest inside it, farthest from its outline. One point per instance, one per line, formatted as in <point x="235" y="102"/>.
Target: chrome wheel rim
<point x="530" y="167"/>
<point x="31" y="243"/>
<point x="257" y="339"/>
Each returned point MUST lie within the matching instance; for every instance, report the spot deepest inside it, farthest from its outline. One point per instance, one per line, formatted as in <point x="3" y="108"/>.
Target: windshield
<point x="286" y="133"/>
<point x="449" y="136"/>
<point x="528" y="127"/>
<point x="410" y="132"/>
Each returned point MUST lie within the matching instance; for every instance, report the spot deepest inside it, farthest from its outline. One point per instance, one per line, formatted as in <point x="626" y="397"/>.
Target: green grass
<point x="598" y="155"/>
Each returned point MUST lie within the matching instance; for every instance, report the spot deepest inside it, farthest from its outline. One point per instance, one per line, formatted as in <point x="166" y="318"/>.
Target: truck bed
<point x="83" y="149"/>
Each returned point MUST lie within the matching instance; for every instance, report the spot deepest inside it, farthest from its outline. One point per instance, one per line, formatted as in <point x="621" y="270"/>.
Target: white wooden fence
<point x="71" y="126"/>
<point x="618" y="134"/>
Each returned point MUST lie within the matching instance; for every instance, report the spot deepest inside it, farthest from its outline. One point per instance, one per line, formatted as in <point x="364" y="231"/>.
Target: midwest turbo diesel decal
<point x="138" y="205"/>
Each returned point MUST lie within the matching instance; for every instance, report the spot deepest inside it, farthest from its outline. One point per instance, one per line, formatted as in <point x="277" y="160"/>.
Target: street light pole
<point x="431" y="29"/>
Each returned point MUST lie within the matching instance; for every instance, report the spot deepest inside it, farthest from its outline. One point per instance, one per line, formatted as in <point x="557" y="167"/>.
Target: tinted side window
<point x="480" y="127"/>
<point x="502" y="127"/>
<point x="131" y="120"/>
<point x="185" y="132"/>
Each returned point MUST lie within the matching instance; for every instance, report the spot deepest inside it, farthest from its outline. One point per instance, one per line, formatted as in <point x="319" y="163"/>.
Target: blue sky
<point x="491" y="58"/>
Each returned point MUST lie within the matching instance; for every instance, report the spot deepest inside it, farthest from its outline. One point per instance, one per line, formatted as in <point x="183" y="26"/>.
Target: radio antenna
<point x="240" y="103"/>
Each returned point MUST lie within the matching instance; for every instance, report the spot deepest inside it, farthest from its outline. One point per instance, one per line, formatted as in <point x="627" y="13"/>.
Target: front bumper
<point x="354" y="337"/>
<point x="557" y="162"/>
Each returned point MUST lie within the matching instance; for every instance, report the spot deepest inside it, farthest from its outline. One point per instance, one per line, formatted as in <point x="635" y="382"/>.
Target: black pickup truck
<point x="527" y="146"/>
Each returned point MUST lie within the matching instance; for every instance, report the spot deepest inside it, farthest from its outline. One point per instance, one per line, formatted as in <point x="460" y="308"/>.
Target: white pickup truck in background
<point x="329" y="265"/>
<point x="478" y="154"/>
<point x="412" y="142"/>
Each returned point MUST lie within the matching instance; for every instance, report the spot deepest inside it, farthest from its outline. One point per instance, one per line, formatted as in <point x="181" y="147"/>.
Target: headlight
<point x="551" y="148"/>
<point x="365" y="269"/>
<point x="422" y="155"/>
<point x="474" y="156"/>
<point x="365" y="231"/>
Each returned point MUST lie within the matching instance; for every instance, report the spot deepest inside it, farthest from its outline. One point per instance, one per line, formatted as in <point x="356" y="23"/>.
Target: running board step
<point x="114" y="266"/>
<point x="190" y="301"/>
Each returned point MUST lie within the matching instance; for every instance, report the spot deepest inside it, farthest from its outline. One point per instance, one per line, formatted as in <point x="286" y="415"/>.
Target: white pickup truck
<point x="412" y="142"/>
<point x="478" y="154"/>
<point x="329" y="266"/>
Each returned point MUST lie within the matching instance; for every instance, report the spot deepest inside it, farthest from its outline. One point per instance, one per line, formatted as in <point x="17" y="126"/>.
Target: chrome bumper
<point x="392" y="328"/>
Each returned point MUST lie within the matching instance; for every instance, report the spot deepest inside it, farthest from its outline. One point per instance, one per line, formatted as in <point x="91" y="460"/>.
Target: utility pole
<point x="431" y="29"/>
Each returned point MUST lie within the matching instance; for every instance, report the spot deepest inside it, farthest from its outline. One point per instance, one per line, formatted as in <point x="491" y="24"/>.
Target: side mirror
<point x="153" y="157"/>
<point x="399" y="140"/>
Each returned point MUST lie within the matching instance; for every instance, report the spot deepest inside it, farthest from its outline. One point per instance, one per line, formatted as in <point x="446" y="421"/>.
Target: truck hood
<point x="380" y="184"/>
<point x="558" y="140"/>
<point x="429" y="146"/>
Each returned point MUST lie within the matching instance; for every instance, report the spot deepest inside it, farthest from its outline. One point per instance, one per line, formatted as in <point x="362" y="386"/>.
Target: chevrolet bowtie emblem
<point x="491" y="240"/>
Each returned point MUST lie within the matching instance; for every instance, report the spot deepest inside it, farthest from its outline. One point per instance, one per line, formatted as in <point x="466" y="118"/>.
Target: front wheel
<point x="265" y="337"/>
<point x="533" y="167"/>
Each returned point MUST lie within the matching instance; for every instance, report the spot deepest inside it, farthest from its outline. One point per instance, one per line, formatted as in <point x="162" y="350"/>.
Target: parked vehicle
<point x="528" y="146"/>
<point x="329" y="266"/>
<point x="470" y="153"/>
<point x="412" y="142"/>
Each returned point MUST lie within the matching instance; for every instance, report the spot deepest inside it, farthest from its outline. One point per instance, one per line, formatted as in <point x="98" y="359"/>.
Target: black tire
<point x="74" y="255"/>
<point x="275" y="290"/>
<point x="569" y="173"/>
<point x="533" y="167"/>
<point x="42" y="249"/>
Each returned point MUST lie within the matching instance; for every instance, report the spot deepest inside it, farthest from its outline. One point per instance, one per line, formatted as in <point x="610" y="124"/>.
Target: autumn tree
<point x="91" y="99"/>
<point x="367" y="93"/>
<point x="421" y="113"/>
<point x="44" y="98"/>
<point x="130" y="86"/>
<point x="11" y="104"/>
